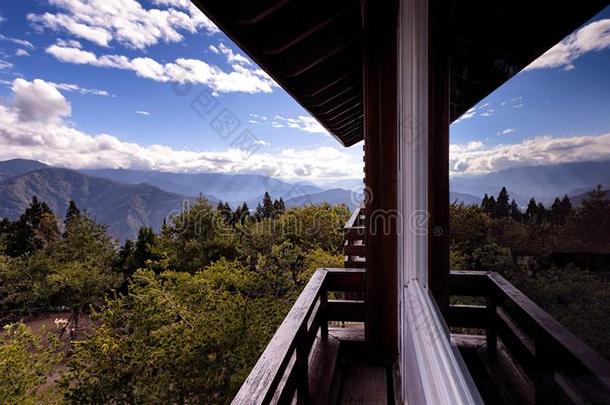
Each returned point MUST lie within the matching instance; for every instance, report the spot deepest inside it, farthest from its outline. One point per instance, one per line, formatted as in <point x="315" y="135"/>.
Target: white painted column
<point x="430" y="367"/>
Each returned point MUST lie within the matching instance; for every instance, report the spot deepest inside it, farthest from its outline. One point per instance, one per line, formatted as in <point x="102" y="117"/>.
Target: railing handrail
<point x="353" y="219"/>
<point x="554" y="344"/>
<point x="549" y="329"/>
<point x="297" y="334"/>
<point x="261" y="384"/>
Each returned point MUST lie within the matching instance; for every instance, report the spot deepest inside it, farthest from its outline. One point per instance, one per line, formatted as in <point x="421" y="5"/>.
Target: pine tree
<point x="531" y="213"/>
<point x="543" y="213"/>
<point x="242" y="214"/>
<point x="35" y="229"/>
<point x="514" y="211"/>
<point x="224" y="210"/>
<point x="277" y="208"/>
<point x="485" y="203"/>
<point x="143" y="247"/>
<point x="594" y="220"/>
<point x="491" y="205"/>
<point x="259" y="213"/>
<point x="566" y="206"/>
<point x="267" y="206"/>
<point x="501" y="207"/>
<point x="72" y="212"/>
<point x="560" y="210"/>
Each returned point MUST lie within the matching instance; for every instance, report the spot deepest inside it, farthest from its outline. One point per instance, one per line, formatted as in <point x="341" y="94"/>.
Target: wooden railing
<point x="354" y="246"/>
<point x="282" y="371"/>
<point x="561" y="367"/>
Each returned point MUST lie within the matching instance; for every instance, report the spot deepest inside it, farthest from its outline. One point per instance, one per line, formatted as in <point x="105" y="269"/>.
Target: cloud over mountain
<point x="33" y="126"/>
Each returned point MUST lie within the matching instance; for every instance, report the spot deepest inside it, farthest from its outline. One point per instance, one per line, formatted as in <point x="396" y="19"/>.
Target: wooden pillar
<point x="438" y="161"/>
<point x="381" y="162"/>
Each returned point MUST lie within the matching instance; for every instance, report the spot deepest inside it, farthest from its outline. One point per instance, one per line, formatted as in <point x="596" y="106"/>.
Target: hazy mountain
<point x="577" y="196"/>
<point x="123" y="207"/>
<point x="234" y="188"/>
<point x="464" y="198"/>
<point x="349" y="184"/>
<point x="17" y="167"/>
<point x="541" y="182"/>
<point x="333" y="197"/>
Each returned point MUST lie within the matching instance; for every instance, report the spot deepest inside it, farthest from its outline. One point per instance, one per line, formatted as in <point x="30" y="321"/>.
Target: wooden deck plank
<point x="322" y="370"/>
<point x="365" y="385"/>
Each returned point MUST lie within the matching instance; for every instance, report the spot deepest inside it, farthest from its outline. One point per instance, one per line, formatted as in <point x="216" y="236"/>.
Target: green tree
<point x="72" y="212"/>
<point x="531" y="213"/>
<point x="194" y="239"/>
<point x="515" y="212"/>
<point x="34" y="230"/>
<point x="27" y="361"/>
<point x="501" y="208"/>
<point x="177" y="338"/>
<point x="241" y="215"/>
<point x="591" y="223"/>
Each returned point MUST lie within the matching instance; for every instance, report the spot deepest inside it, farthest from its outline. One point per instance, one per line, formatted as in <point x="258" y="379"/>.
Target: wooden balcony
<point x="516" y="352"/>
<point x="309" y="360"/>
<point x="316" y="355"/>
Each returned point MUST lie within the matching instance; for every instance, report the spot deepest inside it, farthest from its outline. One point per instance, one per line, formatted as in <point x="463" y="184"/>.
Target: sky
<point x="155" y="85"/>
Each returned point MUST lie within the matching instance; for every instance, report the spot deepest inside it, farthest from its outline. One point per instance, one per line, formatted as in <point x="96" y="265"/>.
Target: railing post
<point x="324" y="315"/>
<point x="491" y="334"/>
<point x="302" y="367"/>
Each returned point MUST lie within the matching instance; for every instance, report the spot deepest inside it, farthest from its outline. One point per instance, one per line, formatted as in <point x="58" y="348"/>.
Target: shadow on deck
<point x="341" y="374"/>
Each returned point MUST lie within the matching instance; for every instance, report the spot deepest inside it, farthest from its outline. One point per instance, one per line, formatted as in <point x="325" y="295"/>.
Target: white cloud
<point x="21" y="42"/>
<point x="81" y="90"/>
<point x="508" y="131"/>
<point x="39" y="101"/>
<point x="2" y="19"/>
<point x="126" y="22"/>
<point x="239" y="79"/>
<point x="302" y="123"/>
<point x="55" y="142"/>
<point x="467" y="115"/>
<point x="4" y="65"/>
<point x="542" y="150"/>
<point x="482" y="110"/>
<point x="21" y="52"/>
<point x="232" y="57"/>
<point x="69" y="43"/>
<point x="143" y="113"/>
<point x="590" y="38"/>
<point x="70" y="87"/>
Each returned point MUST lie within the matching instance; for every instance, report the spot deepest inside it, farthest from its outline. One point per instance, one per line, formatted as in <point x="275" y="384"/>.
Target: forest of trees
<point x="495" y="235"/>
<point x="181" y="316"/>
<point x="176" y="316"/>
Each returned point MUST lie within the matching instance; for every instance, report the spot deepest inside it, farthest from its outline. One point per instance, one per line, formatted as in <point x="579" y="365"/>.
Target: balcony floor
<point x="340" y="374"/>
<point x="498" y="378"/>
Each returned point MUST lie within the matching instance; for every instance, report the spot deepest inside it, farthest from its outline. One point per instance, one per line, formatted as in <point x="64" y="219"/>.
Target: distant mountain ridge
<point x="334" y="196"/>
<point x="123" y="208"/>
<point x="541" y="182"/>
<point x="124" y="200"/>
<point x="232" y="188"/>
<point x="17" y="167"/>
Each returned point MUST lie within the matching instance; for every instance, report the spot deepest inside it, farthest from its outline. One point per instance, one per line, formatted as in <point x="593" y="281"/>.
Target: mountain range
<point x="234" y="189"/>
<point x="122" y="207"/>
<point x="124" y="199"/>
<point x="541" y="182"/>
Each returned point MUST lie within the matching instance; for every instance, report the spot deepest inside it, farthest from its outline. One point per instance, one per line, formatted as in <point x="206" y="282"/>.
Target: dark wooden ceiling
<point x="313" y="48"/>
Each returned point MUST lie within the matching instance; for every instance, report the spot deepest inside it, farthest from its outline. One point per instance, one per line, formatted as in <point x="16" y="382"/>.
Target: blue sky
<point x="92" y="83"/>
